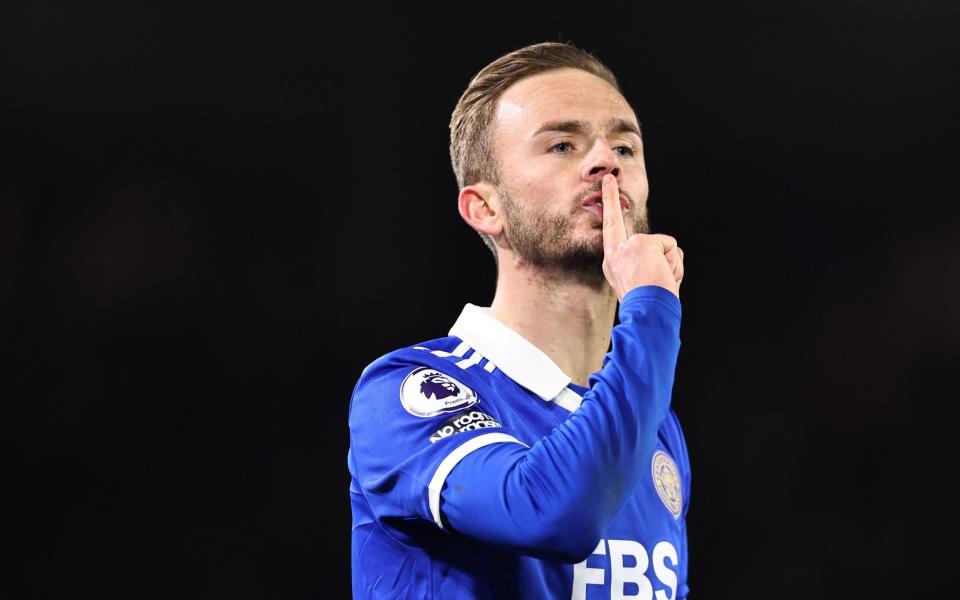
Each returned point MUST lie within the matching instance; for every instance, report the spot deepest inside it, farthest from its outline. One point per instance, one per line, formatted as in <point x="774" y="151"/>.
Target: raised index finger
<point x="614" y="231"/>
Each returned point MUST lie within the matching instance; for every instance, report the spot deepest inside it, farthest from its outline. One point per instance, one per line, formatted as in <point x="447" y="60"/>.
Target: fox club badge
<point x="666" y="478"/>
<point x="427" y="392"/>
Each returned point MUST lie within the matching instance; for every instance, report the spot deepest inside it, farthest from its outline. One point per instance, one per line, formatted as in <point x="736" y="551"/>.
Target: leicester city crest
<point x="666" y="478"/>
<point x="427" y="392"/>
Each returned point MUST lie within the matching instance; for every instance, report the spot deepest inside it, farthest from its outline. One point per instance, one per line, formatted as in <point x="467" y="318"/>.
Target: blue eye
<point x="561" y="148"/>
<point x="628" y="149"/>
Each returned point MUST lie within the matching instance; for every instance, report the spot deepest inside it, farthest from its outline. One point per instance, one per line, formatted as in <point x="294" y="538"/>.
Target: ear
<point x="480" y="207"/>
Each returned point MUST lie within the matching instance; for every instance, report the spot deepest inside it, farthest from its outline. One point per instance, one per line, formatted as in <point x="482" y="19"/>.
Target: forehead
<point x="560" y="94"/>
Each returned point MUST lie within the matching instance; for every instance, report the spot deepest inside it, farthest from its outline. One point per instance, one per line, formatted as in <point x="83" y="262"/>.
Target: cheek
<point x="534" y="193"/>
<point x="642" y="189"/>
<point x="552" y="191"/>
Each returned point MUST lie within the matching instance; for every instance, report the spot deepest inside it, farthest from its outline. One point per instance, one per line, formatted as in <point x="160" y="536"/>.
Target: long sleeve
<point x="554" y="499"/>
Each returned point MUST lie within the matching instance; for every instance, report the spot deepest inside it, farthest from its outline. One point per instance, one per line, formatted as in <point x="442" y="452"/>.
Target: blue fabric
<point x="572" y="511"/>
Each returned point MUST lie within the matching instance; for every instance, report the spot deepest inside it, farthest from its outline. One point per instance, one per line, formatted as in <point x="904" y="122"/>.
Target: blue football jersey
<point x="479" y="470"/>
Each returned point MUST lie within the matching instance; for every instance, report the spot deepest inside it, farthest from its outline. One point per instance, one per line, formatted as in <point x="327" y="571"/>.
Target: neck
<point x="567" y="317"/>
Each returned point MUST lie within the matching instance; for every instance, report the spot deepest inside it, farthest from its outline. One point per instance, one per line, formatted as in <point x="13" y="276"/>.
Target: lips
<point x="594" y="203"/>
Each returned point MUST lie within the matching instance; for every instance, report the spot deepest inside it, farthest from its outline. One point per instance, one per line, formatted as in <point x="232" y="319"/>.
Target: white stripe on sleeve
<point x="452" y="459"/>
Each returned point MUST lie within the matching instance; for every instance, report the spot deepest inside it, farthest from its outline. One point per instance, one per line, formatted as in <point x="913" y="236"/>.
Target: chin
<point x="591" y="239"/>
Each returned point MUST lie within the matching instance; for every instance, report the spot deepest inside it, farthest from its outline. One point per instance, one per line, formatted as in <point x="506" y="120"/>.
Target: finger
<point x="678" y="267"/>
<point x="668" y="243"/>
<point x="673" y="259"/>
<point x="614" y="231"/>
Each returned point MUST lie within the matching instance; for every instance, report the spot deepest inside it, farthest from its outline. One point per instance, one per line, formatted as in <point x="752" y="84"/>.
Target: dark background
<point x="213" y="217"/>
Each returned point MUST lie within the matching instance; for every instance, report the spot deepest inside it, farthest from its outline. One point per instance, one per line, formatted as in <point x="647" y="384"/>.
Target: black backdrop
<point x="213" y="217"/>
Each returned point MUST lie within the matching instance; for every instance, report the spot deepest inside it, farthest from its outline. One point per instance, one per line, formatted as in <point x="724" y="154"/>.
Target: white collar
<point x="513" y="354"/>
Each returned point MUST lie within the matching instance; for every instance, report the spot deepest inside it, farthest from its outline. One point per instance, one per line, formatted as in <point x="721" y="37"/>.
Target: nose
<point x="599" y="161"/>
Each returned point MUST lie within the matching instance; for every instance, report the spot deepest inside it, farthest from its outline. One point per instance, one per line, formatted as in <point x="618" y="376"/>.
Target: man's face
<point x="557" y="134"/>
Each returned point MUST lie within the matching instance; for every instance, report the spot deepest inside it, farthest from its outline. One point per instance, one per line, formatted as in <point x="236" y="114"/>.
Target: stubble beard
<point x="543" y="240"/>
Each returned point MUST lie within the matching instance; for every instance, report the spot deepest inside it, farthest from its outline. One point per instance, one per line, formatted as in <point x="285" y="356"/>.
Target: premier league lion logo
<point x="427" y="392"/>
<point x="439" y="386"/>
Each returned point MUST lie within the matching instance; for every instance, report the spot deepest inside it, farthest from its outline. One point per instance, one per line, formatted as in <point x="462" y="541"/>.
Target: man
<point x="517" y="457"/>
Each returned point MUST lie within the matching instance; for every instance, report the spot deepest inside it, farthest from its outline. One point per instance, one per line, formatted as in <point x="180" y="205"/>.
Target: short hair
<point x="472" y="150"/>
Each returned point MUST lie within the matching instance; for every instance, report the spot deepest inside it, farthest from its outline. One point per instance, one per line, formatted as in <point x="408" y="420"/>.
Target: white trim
<point x="513" y="354"/>
<point x="568" y="399"/>
<point x="459" y="351"/>
<point x="474" y="359"/>
<point x="452" y="459"/>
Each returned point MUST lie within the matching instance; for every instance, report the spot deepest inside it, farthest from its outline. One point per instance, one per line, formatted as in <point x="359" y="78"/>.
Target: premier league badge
<point x="666" y="478"/>
<point x="427" y="392"/>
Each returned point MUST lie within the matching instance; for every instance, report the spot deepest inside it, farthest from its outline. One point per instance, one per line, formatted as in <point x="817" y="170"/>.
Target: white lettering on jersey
<point x="584" y="575"/>
<point x="621" y="575"/>
<point x="664" y="573"/>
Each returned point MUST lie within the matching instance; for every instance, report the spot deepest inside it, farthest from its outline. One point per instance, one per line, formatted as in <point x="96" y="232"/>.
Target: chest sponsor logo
<point x="633" y="572"/>
<point x="467" y="421"/>
<point x="427" y="392"/>
<point x="666" y="478"/>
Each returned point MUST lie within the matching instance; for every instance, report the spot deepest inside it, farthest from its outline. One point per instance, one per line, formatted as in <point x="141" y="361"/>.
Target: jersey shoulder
<point x="410" y="409"/>
<point x="434" y="377"/>
<point x="450" y="355"/>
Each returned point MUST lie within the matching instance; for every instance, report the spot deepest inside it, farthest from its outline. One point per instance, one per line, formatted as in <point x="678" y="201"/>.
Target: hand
<point x="631" y="261"/>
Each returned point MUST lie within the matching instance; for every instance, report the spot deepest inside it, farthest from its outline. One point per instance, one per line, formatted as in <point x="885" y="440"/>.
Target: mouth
<point x="594" y="204"/>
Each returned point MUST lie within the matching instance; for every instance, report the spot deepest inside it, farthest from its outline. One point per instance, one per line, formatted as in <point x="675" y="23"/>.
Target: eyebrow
<point x="614" y="125"/>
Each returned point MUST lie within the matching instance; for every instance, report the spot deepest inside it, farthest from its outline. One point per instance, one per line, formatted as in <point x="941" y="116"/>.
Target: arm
<point x="555" y="499"/>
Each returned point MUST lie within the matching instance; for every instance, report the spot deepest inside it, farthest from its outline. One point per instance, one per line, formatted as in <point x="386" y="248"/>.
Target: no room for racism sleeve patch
<point x="427" y="392"/>
<point x="465" y="421"/>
